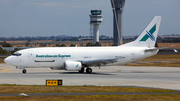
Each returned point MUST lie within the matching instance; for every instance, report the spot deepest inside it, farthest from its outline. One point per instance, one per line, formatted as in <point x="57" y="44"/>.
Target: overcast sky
<point x="71" y="17"/>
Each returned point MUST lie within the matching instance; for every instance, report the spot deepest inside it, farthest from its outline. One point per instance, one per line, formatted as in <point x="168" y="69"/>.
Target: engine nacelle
<point x="73" y="65"/>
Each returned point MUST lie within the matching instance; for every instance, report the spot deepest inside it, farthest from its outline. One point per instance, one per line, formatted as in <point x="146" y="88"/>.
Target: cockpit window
<point x="16" y="54"/>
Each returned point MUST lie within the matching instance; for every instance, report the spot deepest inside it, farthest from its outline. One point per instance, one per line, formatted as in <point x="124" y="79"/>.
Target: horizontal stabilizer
<point x="166" y="47"/>
<point x="158" y="48"/>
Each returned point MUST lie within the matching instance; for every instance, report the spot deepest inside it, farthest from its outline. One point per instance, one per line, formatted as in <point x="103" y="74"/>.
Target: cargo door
<point x="31" y="57"/>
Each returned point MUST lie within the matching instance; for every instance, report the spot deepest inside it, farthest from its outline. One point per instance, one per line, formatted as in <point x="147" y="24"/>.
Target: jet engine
<point x="72" y="65"/>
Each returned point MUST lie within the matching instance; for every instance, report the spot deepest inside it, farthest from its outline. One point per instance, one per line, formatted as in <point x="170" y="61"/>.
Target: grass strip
<point x="168" y="64"/>
<point x="166" y="57"/>
<point x="167" y="97"/>
<point x="16" y="89"/>
<point x="1" y="60"/>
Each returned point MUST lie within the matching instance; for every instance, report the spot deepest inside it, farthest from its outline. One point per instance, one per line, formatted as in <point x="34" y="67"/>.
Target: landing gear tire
<point x="24" y="71"/>
<point x="88" y="70"/>
<point x="82" y="70"/>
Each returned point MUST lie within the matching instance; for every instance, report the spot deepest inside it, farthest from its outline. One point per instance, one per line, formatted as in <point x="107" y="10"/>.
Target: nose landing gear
<point x="24" y="71"/>
<point x="82" y="70"/>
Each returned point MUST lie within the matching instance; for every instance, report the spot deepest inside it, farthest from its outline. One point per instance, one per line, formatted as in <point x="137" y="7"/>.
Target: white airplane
<point x="79" y="58"/>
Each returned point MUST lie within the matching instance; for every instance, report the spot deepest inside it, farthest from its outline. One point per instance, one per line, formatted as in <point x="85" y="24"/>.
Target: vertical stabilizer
<point x="148" y="37"/>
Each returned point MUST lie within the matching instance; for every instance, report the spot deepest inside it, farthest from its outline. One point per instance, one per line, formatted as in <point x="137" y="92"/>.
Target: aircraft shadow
<point x="93" y="73"/>
<point x="150" y="72"/>
<point x="74" y="73"/>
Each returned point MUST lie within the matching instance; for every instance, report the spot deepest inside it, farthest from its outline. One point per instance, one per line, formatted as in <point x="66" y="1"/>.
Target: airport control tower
<point x="96" y="20"/>
<point x="118" y="7"/>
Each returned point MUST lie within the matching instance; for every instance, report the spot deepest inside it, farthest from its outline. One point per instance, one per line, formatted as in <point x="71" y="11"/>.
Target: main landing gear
<point x="88" y="70"/>
<point x="24" y="71"/>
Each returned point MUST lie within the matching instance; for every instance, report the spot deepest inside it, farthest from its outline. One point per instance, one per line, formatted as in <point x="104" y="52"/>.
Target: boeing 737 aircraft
<point x="80" y="58"/>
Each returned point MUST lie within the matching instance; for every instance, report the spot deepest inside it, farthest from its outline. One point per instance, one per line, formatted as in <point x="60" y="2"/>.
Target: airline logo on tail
<point x="149" y="34"/>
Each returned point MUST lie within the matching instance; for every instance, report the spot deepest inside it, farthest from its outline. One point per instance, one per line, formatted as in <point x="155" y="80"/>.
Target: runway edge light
<point x="54" y="82"/>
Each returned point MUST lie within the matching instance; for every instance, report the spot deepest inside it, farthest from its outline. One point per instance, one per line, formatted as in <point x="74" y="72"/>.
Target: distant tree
<point x="63" y="45"/>
<point x="59" y="45"/>
<point x="27" y="44"/>
<point x="49" y="44"/>
<point x="156" y="45"/>
<point x="5" y="44"/>
<point x="97" y="44"/>
<point x="72" y="45"/>
<point x="89" y="44"/>
<point x="3" y="51"/>
<point x="43" y="45"/>
<point x="114" y="44"/>
<point x="16" y="49"/>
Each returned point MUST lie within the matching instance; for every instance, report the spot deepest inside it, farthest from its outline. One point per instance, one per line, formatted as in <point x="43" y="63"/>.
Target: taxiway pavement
<point x="156" y="77"/>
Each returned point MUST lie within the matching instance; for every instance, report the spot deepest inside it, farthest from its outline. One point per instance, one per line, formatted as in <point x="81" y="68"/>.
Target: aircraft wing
<point x="100" y="62"/>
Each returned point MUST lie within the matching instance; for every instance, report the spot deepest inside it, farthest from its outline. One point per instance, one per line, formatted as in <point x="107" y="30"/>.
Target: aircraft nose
<point x="6" y="60"/>
<point x="11" y="60"/>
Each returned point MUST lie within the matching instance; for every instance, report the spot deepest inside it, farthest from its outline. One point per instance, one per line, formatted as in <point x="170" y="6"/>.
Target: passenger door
<point x="31" y="56"/>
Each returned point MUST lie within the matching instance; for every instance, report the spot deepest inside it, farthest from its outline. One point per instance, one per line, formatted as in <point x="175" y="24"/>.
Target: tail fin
<point x="148" y="37"/>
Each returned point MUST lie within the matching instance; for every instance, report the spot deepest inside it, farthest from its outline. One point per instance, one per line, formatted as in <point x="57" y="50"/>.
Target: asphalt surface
<point x="155" y="77"/>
